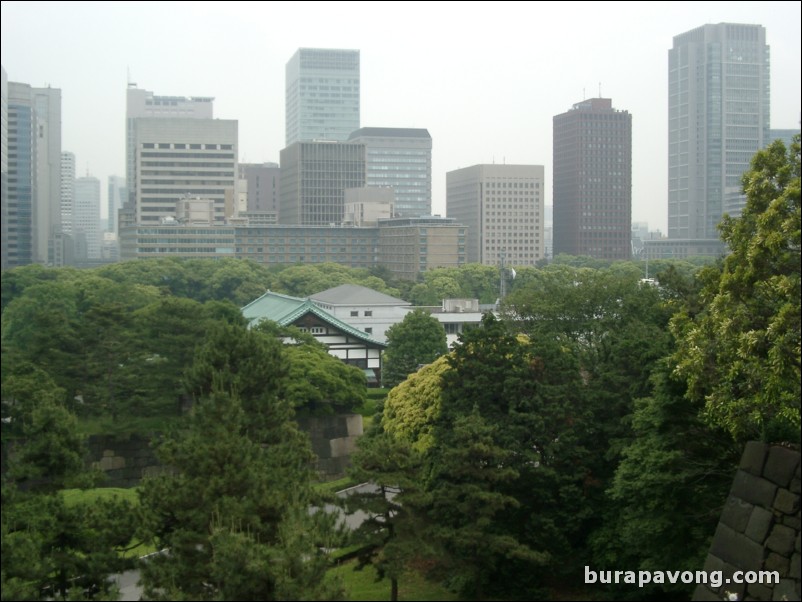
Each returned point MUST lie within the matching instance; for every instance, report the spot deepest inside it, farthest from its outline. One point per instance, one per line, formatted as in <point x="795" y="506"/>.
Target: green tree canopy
<point x="418" y="339"/>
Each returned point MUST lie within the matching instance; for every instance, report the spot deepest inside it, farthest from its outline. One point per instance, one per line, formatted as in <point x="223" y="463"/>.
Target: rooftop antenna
<point x="600" y="90"/>
<point x="583" y="93"/>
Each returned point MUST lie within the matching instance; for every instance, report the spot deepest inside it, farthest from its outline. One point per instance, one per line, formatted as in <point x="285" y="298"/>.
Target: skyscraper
<point x="718" y="118"/>
<point x="322" y="95"/>
<point x="401" y="159"/>
<point x="34" y="175"/>
<point x="593" y="180"/>
<point x="502" y="209"/>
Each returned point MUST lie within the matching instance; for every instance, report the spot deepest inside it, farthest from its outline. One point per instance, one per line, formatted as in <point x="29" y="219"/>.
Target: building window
<point x="318" y="330"/>
<point x="369" y="331"/>
<point x="354" y="313"/>
<point x="368" y="313"/>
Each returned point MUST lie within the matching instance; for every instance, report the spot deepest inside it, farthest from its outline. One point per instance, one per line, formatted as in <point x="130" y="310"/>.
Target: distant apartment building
<point x="314" y="176"/>
<point x="409" y="246"/>
<point x="718" y="118"/>
<point x="33" y="198"/>
<point x="501" y="208"/>
<point x="401" y="159"/>
<point x="593" y="181"/>
<point x="322" y="95"/>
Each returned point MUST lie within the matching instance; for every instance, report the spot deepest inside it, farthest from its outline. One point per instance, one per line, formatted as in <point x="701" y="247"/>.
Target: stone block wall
<point x="125" y="461"/>
<point x="759" y="528"/>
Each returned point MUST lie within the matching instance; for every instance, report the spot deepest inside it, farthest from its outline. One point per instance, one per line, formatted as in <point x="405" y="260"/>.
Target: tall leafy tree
<point x="742" y="354"/>
<point x="418" y="339"/>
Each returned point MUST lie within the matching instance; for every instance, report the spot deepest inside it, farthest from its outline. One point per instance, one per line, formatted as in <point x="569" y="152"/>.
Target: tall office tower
<point x="321" y="95"/>
<point x="117" y="195"/>
<point x="593" y="181"/>
<point x="176" y="158"/>
<point x="144" y="105"/>
<point x="314" y="176"/>
<point x="502" y="208"/>
<point x="34" y="174"/>
<point x="86" y="217"/>
<point x="4" y="163"/>
<point x="264" y="186"/>
<point x="67" y="190"/>
<point x="401" y="159"/>
<point x="718" y="118"/>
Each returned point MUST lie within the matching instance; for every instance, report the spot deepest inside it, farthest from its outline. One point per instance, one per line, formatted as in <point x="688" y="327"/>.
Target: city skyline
<point x="485" y="83"/>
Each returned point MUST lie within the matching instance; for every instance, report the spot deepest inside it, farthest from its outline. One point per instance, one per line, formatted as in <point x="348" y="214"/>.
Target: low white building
<point x="370" y="311"/>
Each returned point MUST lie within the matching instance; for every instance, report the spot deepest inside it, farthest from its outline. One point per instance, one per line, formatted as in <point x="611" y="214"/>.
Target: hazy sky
<point x="485" y="78"/>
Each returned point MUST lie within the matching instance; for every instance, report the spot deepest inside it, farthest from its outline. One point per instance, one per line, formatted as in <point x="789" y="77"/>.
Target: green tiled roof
<point x="284" y="310"/>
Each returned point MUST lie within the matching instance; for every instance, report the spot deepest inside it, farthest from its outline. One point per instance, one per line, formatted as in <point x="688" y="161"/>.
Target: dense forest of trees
<point x="596" y="420"/>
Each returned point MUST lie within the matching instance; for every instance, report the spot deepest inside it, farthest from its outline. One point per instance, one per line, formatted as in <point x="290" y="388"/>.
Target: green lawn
<point x="362" y="585"/>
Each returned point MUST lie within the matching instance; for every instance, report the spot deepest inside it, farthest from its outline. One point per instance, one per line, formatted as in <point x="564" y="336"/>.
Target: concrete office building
<point x="34" y="176"/>
<point x="718" y="118"/>
<point x="411" y="245"/>
<point x="175" y="157"/>
<point x="263" y="186"/>
<point x="4" y="171"/>
<point x="592" y="161"/>
<point x="322" y="95"/>
<point x="401" y="159"/>
<point x="501" y="207"/>
<point x="314" y="176"/>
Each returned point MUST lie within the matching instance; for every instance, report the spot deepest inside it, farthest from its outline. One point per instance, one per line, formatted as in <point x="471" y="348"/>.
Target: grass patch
<point x="74" y="497"/>
<point x="363" y="585"/>
<point x="125" y="426"/>
<point x="335" y="485"/>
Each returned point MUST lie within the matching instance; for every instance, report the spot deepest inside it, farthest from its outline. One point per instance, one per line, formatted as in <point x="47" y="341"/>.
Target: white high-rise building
<point x="86" y="218"/>
<point x="67" y="190"/>
<point x="322" y="95"/>
<point x="502" y="209"/>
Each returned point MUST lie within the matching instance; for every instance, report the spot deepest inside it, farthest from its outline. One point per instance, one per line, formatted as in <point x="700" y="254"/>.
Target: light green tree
<point x="741" y="355"/>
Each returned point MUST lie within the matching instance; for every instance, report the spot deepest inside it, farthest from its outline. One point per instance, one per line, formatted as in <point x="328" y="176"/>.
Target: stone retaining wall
<point x="759" y="529"/>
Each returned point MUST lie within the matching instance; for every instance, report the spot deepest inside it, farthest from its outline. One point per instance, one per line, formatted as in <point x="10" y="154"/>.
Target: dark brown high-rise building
<point x="593" y="181"/>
